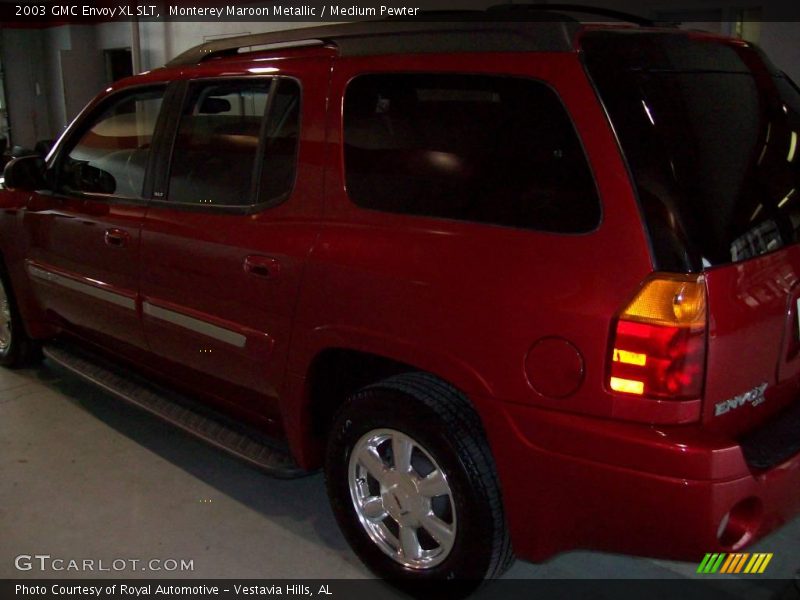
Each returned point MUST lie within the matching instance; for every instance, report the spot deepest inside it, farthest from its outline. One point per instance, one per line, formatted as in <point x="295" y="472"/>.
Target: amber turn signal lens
<point x="672" y="300"/>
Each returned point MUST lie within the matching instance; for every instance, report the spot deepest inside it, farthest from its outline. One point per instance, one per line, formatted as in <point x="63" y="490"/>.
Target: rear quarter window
<point x="485" y="149"/>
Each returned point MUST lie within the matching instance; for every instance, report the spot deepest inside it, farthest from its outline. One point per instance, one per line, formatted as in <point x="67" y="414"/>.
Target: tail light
<point x="659" y="341"/>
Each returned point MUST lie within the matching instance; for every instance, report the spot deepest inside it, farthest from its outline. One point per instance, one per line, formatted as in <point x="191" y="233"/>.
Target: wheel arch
<point x="337" y="366"/>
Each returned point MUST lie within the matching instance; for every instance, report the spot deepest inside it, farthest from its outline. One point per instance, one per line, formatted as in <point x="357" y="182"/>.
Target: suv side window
<point x="228" y="151"/>
<point x="110" y="158"/>
<point x="486" y="149"/>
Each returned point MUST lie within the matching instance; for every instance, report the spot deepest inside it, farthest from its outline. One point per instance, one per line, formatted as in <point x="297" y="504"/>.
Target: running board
<point x="252" y="447"/>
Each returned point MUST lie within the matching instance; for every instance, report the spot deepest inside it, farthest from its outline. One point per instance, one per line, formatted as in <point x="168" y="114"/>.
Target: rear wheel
<point x="413" y="486"/>
<point x="16" y="348"/>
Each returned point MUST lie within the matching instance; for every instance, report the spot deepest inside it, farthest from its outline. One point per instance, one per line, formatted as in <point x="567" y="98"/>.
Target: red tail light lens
<point x="659" y="342"/>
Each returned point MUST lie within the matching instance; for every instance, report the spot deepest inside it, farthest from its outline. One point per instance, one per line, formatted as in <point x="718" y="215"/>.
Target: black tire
<point x="20" y="351"/>
<point x="444" y="424"/>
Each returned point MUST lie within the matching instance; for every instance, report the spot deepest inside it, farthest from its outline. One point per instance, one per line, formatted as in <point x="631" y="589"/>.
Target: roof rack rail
<point x="552" y="33"/>
<point x="573" y="8"/>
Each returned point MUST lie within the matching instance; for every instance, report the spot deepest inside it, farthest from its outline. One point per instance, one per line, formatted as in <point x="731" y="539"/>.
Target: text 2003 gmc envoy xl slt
<point x="511" y="284"/>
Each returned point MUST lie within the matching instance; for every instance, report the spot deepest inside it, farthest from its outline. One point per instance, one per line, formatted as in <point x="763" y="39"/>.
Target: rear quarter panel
<point x="467" y="301"/>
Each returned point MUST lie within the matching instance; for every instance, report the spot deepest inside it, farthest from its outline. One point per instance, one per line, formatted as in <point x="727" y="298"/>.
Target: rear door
<point x="710" y="131"/>
<point x="753" y="355"/>
<point x="84" y="237"/>
<point x="225" y="240"/>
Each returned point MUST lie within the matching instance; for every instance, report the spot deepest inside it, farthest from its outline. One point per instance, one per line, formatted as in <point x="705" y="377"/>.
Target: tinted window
<point x="280" y="143"/>
<point x="710" y="133"/>
<point x="225" y="154"/>
<point x="492" y="150"/>
<point x="111" y="157"/>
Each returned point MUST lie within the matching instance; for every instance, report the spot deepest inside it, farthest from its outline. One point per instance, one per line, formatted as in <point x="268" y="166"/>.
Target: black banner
<point x="701" y="588"/>
<point x="28" y="13"/>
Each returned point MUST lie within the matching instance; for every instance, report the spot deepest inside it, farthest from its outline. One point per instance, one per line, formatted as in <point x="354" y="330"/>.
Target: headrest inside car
<point x="214" y="106"/>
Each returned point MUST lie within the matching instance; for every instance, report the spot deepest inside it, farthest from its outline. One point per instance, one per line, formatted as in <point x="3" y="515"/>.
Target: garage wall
<point x="25" y="74"/>
<point x="82" y="71"/>
<point x="56" y="39"/>
<point x="781" y="41"/>
<point x="38" y="63"/>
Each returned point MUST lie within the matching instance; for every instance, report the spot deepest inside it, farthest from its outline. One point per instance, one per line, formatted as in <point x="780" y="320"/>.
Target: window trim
<point x="494" y="74"/>
<point x="171" y="135"/>
<point x="84" y="122"/>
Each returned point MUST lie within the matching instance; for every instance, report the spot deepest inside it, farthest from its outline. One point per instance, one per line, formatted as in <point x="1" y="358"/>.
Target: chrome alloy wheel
<point x="402" y="498"/>
<point x="5" y="321"/>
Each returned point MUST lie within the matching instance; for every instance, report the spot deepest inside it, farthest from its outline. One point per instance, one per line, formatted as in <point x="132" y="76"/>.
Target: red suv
<point x="509" y="283"/>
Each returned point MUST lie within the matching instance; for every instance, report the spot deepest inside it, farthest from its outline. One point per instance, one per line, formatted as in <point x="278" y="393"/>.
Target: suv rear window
<point x="496" y="150"/>
<point x="710" y="132"/>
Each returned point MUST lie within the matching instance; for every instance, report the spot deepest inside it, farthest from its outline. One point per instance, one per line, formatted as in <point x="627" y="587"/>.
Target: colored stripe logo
<point x="735" y="563"/>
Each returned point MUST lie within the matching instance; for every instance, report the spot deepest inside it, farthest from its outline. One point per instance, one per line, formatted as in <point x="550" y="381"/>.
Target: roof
<point x="502" y="28"/>
<point x="387" y="37"/>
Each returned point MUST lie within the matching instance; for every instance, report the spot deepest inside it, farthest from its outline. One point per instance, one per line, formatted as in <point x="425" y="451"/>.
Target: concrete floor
<point x="85" y="475"/>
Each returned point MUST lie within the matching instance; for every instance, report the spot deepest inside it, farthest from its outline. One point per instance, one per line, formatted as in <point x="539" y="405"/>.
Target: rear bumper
<point x="571" y="482"/>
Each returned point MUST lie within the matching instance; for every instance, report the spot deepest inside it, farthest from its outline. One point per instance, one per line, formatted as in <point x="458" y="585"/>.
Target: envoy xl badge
<point x="753" y="397"/>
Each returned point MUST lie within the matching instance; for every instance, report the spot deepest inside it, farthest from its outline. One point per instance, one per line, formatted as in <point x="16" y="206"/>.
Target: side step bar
<point x="258" y="450"/>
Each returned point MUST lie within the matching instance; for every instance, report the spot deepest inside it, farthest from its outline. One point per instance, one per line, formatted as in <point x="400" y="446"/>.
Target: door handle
<point x="262" y="266"/>
<point x="117" y="238"/>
